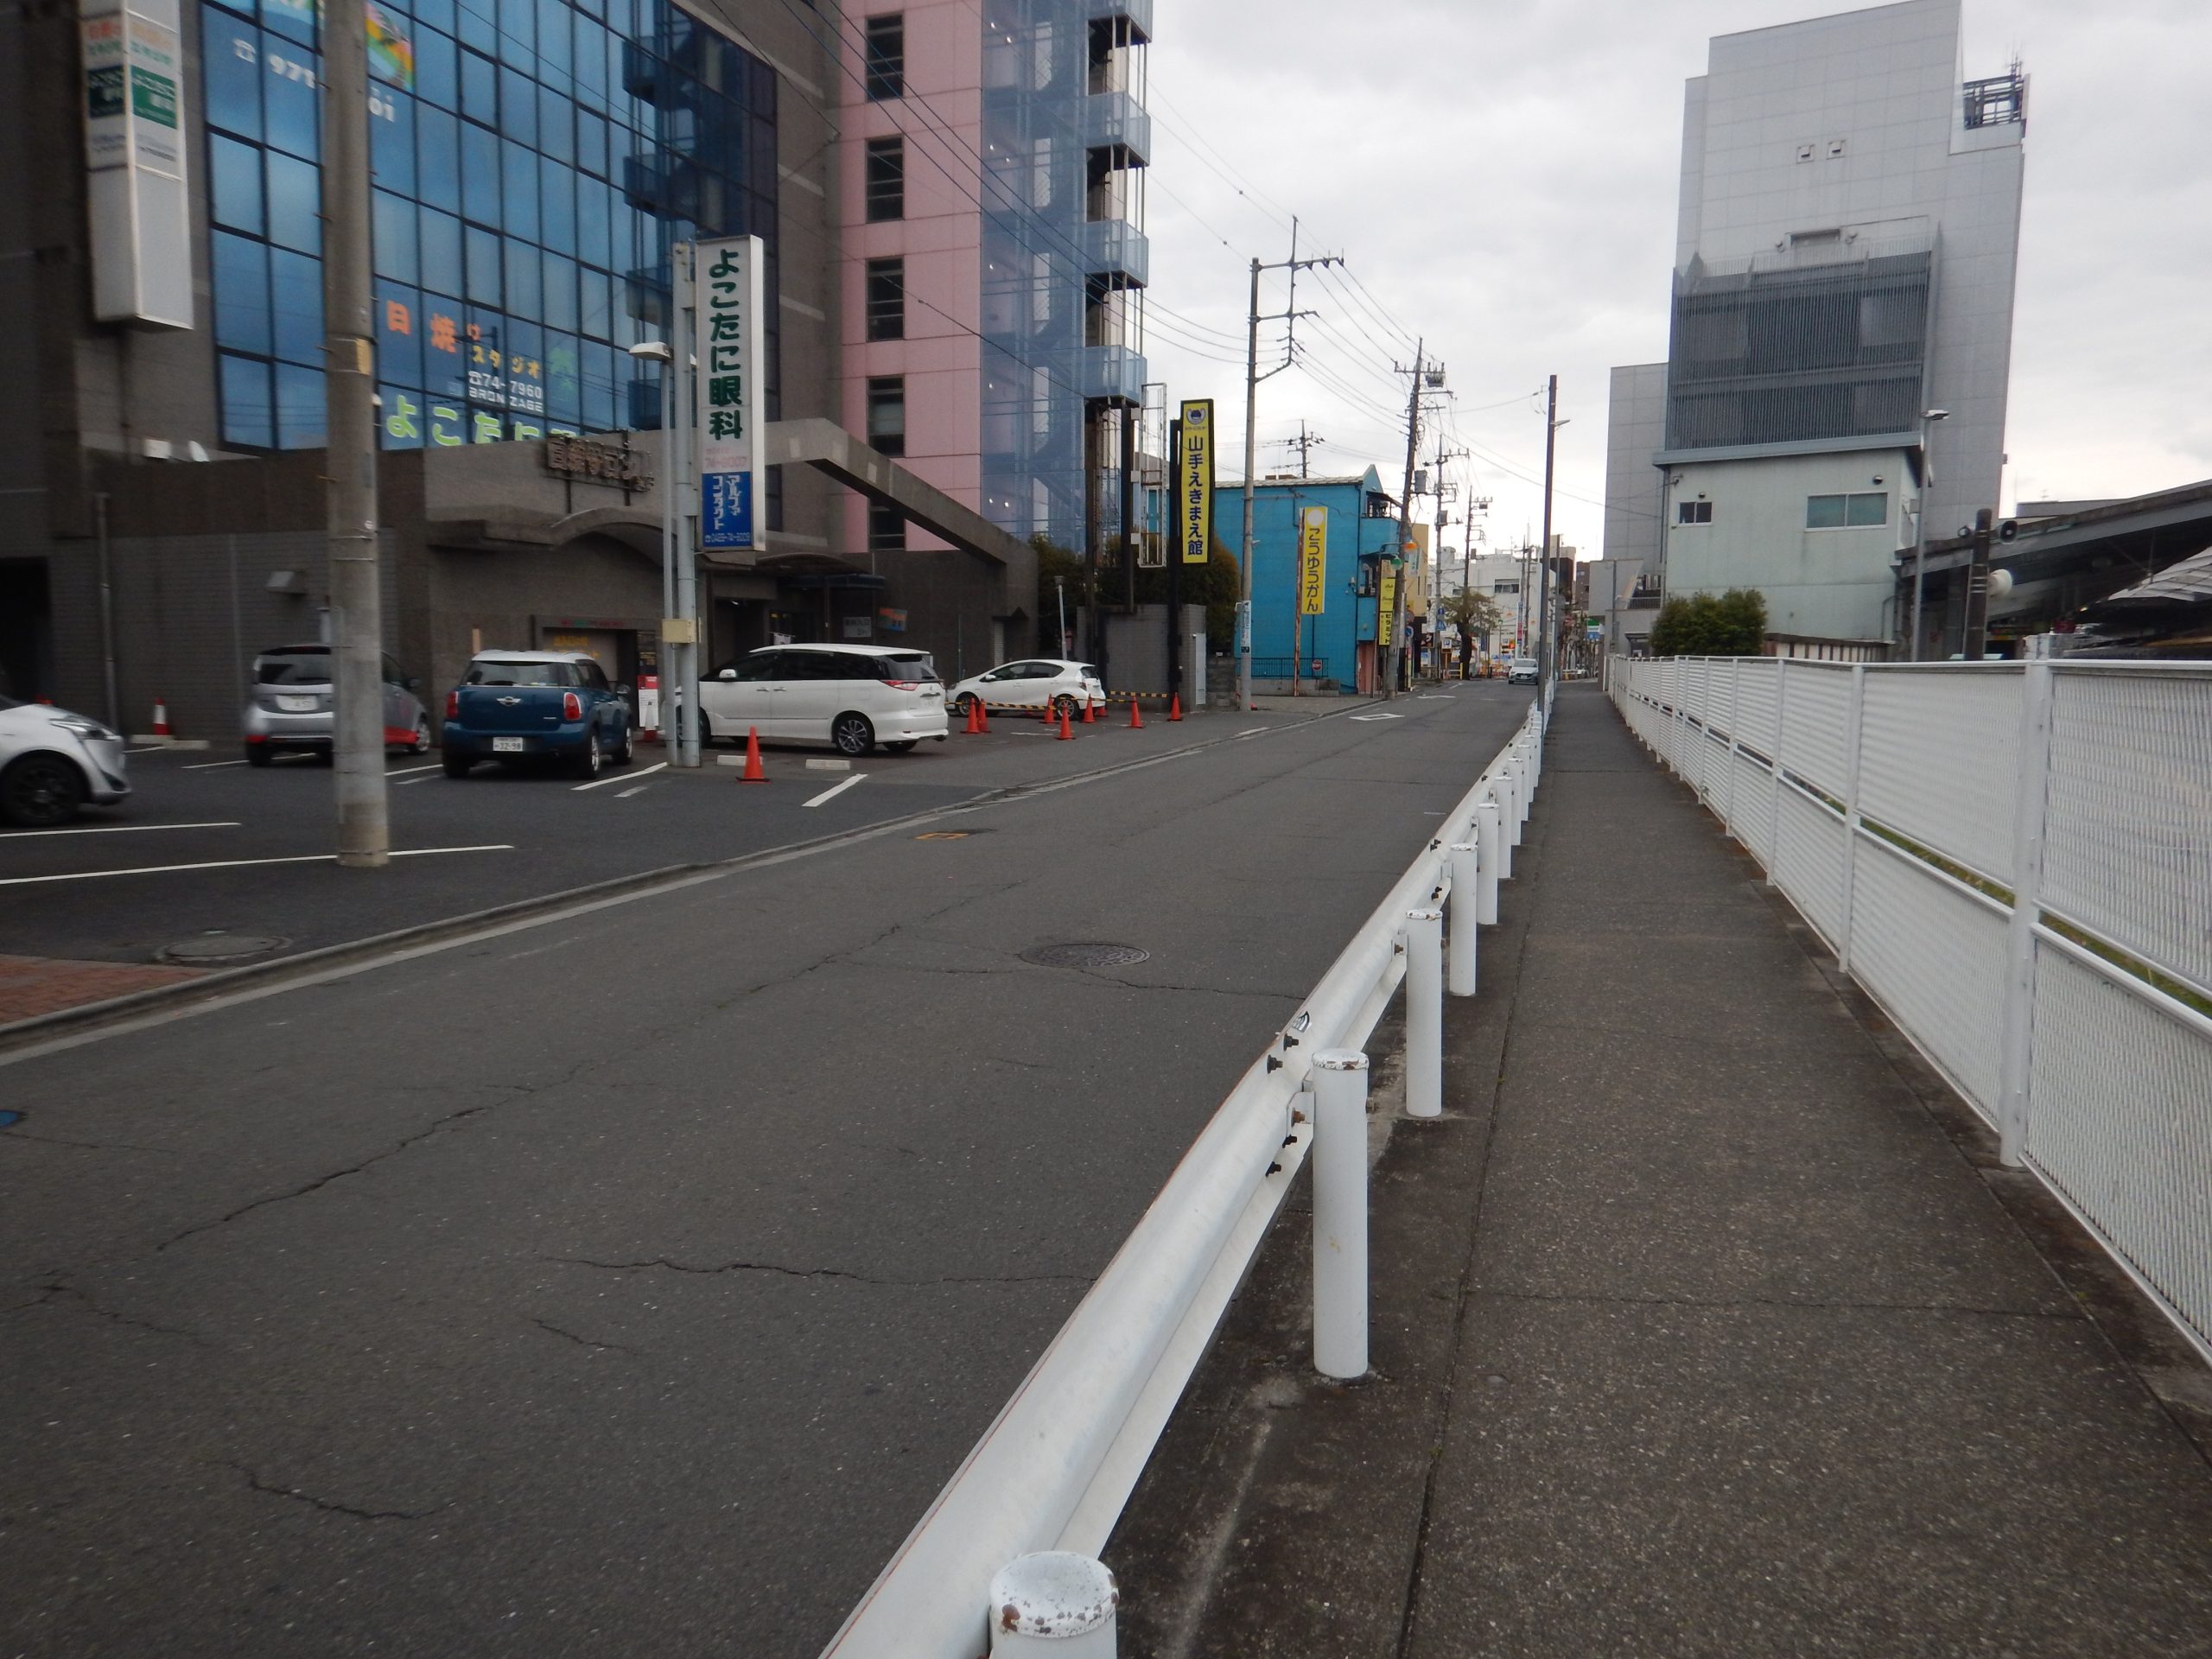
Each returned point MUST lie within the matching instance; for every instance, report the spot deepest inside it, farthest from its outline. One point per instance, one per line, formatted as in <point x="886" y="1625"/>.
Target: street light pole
<point x="657" y="351"/>
<point x="1928" y="419"/>
<point x="1545" y="645"/>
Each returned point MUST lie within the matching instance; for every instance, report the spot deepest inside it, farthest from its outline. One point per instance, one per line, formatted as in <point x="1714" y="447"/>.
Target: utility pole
<point x="1547" y="649"/>
<point x="1974" y="643"/>
<point x="1288" y="317"/>
<point x="356" y="600"/>
<point x="1306" y="442"/>
<point x="1420" y="372"/>
<point x="1432" y="569"/>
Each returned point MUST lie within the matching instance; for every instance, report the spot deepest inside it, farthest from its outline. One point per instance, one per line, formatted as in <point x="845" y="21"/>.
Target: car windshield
<point x="908" y="665"/>
<point x="502" y="673"/>
<point x="292" y="668"/>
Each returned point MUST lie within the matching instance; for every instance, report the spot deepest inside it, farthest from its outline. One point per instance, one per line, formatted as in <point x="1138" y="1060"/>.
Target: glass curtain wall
<point x="533" y="162"/>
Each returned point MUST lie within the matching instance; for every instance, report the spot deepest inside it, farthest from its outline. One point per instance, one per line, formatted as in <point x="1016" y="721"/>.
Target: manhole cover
<point x="218" y="949"/>
<point x="1085" y="956"/>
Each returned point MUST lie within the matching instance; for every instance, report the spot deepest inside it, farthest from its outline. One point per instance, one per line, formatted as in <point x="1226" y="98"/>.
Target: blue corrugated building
<point x="1337" y="646"/>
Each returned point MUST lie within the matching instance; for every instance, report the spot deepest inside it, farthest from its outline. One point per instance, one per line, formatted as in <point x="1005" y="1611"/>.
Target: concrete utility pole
<point x="1392" y="658"/>
<point x="1306" y="442"/>
<point x="1252" y="378"/>
<point x="685" y="750"/>
<point x="1546" y="647"/>
<point x="356" y="598"/>
<point x="1974" y="643"/>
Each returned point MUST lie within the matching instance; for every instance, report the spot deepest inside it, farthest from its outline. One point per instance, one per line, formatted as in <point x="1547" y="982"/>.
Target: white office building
<point x="1848" y="234"/>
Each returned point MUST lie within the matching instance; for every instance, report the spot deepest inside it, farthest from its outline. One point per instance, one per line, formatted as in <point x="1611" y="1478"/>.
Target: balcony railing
<point x="1114" y="247"/>
<point x="1117" y="119"/>
<point x="1113" y="374"/>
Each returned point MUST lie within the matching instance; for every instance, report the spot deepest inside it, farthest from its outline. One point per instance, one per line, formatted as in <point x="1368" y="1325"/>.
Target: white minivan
<point x="852" y="697"/>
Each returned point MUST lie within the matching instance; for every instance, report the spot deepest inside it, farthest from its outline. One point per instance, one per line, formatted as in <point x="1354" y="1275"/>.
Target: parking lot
<point x="209" y="852"/>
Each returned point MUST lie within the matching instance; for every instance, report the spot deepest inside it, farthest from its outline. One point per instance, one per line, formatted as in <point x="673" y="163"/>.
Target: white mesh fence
<point x="2015" y="860"/>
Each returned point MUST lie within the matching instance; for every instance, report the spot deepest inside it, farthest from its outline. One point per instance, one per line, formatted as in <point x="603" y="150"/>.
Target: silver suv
<point x="291" y="706"/>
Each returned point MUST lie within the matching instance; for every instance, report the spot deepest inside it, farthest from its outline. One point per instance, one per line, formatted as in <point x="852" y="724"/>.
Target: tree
<point x="1732" y="624"/>
<point x="1055" y="565"/>
<point x="1471" y="613"/>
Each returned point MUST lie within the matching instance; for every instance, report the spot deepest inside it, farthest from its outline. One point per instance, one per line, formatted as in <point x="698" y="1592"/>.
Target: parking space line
<point x="1253" y="731"/>
<point x="624" y="794"/>
<point x="406" y="771"/>
<point x="236" y="863"/>
<point x="405" y="782"/>
<point x="208" y="765"/>
<point x="117" y="829"/>
<point x="836" y="790"/>
<point x="642" y="771"/>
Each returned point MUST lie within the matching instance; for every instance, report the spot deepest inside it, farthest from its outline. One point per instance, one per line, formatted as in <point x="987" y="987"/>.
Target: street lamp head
<point x="1936" y="415"/>
<point x="655" y="350"/>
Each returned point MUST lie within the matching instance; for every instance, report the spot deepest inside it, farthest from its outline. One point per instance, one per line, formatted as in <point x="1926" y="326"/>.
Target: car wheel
<point x="41" y="790"/>
<point x="706" y="732"/>
<point x="964" y="705"/>
<point x="901" y="747"/>
<point x="258" y="754"/>
<point x="457" y="765"/>
<point x="588" y="764"/>
<point x="422" y="741"/>
<point x="628" y="751"/>
<point x="852" y="734"/>
<point x="1065" y="707"/>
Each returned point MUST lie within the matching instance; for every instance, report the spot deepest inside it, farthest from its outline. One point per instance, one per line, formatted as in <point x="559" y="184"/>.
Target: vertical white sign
<point x="134" y="160"/>
<point x="728" y="299"/>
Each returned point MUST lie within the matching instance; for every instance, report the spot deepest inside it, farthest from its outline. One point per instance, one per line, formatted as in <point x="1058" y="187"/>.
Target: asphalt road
<point x="631" y="1282"/>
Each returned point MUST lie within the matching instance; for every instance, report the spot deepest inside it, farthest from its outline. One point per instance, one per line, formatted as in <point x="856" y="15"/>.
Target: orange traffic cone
<point x="1044" y="711"/>
<point x="161" y="717"/>
<point x="1089" y="718"/>
<point x="1066" y="736"/>
<point x="975" y="707"/>
<point x="753" y="772"/>
<point x="1175" y="706"/>
<point x="983" y="715"/>
<point x="1136" y="716"/>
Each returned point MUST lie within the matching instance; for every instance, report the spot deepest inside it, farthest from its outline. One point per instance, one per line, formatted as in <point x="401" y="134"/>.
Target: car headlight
<point x="84" y="727"/>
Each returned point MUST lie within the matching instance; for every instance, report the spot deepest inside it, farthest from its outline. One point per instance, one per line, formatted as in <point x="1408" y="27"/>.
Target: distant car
<point x="52" y="762"/>
<point x="1032" y="682"/>
<point x="851" y="698"/>
<point x="1523" y="671"/>
<point x="516" y="706"/>
<point x="290" y="707"/>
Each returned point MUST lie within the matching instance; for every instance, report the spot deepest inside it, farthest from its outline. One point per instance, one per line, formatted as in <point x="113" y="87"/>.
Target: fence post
<point x="2030" y="799"/>
<point x="1467" y="887"/>
<point x="1735" y="724"/>
<point x="1853" y="722"/>
<point x="1340" y="1212"/>
<point x="1490" y="856"/>
<point x="1774" y="802"/>
<point x="1424" y="1012"/>
<point x="1053" y="1602"/>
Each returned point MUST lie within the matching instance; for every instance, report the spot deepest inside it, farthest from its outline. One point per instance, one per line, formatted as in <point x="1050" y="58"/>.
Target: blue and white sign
<point x="727" y="277"/>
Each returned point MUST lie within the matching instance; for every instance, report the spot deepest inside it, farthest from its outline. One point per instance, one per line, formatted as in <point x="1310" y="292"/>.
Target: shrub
<point x="1732" y="624"/>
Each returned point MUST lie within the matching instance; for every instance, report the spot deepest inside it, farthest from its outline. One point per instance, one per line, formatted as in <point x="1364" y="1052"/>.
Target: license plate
<point x="507" y="745"/>
<point x="296" y="705"/>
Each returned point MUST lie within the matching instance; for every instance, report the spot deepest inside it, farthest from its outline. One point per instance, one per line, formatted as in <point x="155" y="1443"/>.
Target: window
<point x="1863" y="509"/>
<point x="887" y="178"/>
<point x="887" y="415"/>
<point x="887" y="528"/>
<point x="1694" y="512"/>
<point x="887" y="56"/>
<point x="887" y="299"/>
<point x="1508" y="585"/>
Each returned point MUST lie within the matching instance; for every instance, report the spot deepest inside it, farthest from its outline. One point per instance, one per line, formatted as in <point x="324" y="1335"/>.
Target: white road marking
<point x="204" y="765"/>
<point x="601" y="783"/>
<point x="119" y="829"/>
<point x="235" y="863"/>
<point x="624" y="795"/>
<point x="1253" y="731"/>
<point x="404" y="771"/>
<point x="1378" y="716"/>
<point x="405" y="782"/>
<point x="836" y="790"/>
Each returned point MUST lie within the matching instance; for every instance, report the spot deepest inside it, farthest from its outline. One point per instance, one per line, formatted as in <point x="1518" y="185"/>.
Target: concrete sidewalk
<point x="1696" y="1329"/>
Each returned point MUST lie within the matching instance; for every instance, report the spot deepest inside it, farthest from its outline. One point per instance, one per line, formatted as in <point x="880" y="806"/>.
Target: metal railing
<point x="2015" y="860"/>
<point x="1048" y="1478"/>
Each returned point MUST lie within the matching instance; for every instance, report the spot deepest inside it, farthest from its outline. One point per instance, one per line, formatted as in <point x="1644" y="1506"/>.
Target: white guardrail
<point x="2015" y="860"/>
<point x="1047" y="1481"/>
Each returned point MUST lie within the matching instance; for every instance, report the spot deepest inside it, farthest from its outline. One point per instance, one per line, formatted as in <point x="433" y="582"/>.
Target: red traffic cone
<point x="1066" y="736"/>
<point x="1175" y="706"/>
<point x="975" y="707"/>
<point x="753" y="772"/>
<point x="1136" y="716"/>
<point x="1044" y="711"/>
<point x="161" y="717"/>
<point x="1089" y="718"/>
<point x="983" y="715"/>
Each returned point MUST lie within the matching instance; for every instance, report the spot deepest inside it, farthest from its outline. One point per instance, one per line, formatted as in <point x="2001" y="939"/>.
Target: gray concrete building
<point x="1847" y="232"/>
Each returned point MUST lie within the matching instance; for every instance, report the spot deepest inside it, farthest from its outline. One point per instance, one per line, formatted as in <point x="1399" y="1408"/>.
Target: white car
<point x="1033" y="682"/>
<point x="852" y="697"/>
<point x="1523" y="671"/>
<point x="52" y="762"/>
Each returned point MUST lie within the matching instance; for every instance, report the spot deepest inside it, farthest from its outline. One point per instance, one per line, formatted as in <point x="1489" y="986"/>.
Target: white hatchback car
<point x="1033" y="682"/>
<point x="852" y="697"/>
<point x="53" y="762"/>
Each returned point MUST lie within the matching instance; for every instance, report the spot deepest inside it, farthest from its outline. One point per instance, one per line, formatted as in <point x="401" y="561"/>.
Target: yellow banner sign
<point x="1194" y="481"/>
<point x="1312" y="560"/>
<point x="1386" y="617"/>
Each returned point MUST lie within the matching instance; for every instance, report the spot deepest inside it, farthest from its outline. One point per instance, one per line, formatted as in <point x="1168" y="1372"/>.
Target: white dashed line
<point x="601" y="783"/>
<point x="236" y="863"/>
<point x="117" y="829"/>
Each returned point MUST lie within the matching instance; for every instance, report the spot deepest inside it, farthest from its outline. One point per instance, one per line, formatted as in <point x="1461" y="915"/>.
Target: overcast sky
<point x="1501" y="178"/>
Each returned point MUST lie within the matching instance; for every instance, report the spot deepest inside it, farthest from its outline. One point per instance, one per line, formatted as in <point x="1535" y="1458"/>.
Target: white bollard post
<point x="1340" y="1212"/>
<point x="1466" y="903"/>
<point x="1517" y="804"/>
<point x="1490" y="856"/>
<point x="1425" y="1013"/>
<point x="1054" y="1602"/>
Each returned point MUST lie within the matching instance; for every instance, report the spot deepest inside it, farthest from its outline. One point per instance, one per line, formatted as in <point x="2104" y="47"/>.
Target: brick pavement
<point x="30" y="986"/>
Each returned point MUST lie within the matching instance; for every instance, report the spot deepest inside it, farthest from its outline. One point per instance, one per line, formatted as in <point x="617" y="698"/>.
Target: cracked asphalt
<point x="631" y="1281"/>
